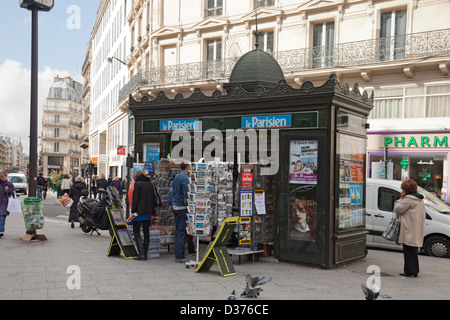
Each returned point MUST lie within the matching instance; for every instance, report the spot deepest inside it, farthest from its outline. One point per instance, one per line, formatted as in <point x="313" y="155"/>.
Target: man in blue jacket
<point x="179" y="207"/>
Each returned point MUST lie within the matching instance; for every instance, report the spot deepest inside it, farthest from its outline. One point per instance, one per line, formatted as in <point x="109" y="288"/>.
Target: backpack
<point x="40" y="181"/>
<point x="170" y="196"/>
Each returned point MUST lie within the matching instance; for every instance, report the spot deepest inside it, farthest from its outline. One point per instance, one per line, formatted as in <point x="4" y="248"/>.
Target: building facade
<point x="12" y="158"/>
<point x="397" y="49"/>
<point x="62" y="128"/>
<point x="87" y="167"/>
<point x="109" y="46"/>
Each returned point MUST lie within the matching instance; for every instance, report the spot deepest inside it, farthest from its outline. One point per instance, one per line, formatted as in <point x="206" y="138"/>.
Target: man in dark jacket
<point x="143" y="207"/>
<point x="75" y="194"/>
<point x="179" y="201"/>
<point x="102" y="183"/>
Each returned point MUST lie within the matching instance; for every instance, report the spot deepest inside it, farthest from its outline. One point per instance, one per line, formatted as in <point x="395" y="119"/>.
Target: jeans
<point x="2" y="223"/>
<point x="181" y="235"/>
<point x="39" y="191"/>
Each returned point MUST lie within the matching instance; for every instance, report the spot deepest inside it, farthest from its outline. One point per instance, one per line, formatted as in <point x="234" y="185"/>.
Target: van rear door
<point x="384" y="210"/>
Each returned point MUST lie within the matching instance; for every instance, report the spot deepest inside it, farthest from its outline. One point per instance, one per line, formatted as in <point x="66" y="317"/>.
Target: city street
<point x="44" y="270"/>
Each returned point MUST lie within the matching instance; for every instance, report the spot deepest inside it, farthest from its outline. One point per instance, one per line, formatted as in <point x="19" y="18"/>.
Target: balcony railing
<point x="53" y="122"/>
<point x="264" y="3"/>
<point x="410" y="46"/>
<point x="63" y="151"/>
<point x="213" y="12"/>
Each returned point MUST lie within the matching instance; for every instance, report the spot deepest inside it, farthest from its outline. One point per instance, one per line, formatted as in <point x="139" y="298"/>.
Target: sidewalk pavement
<point x="41" y="270"/>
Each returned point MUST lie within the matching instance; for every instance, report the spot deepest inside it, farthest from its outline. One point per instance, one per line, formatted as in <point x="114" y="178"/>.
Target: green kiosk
<point x="313" y="200"/>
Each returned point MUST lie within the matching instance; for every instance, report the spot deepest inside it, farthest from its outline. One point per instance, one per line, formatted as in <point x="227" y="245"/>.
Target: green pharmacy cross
<point x="404" y="163"/>
<point x="424" y="174"/>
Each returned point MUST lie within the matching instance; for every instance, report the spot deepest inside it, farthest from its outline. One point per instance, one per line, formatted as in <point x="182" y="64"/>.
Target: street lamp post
<point x="34" y="6"/>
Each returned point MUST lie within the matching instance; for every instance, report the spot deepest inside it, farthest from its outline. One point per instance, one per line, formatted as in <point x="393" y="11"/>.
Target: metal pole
<point x="385" y="162"/>
<point x="34" y="105"/>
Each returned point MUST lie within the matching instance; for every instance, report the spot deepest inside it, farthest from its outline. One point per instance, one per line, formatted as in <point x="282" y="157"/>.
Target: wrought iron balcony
<point x="410" y="46"/>
<point x="213" y="12"/>
<point x="264" y="3"/>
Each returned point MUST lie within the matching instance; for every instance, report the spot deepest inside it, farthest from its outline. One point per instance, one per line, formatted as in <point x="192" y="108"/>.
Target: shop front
<point x="421" y="156"/>
<point x="287" y="151"/>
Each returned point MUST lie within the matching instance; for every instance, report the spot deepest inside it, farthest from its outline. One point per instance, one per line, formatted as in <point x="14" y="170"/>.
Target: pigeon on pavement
<point x="232" y="296"/>
<point x="371" y="293"/>
<point x="256" y="281"/>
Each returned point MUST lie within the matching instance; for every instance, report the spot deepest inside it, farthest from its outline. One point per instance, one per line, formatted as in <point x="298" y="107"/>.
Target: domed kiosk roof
<point x="255" y="68"/>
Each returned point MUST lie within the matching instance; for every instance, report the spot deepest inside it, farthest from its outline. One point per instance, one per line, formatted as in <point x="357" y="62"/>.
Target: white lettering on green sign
<point x="423" y="142"/>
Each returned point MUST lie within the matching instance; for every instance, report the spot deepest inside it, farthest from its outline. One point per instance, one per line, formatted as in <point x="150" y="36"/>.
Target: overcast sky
<point x="64" y="35"/>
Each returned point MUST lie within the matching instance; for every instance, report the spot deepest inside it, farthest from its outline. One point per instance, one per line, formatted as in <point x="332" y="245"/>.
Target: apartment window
<point x="214" y="58"/>
<point x="214" y="50"/>
<point x="214" y="8"/>
<point x="265" y="41"/>
<point x="392" y="35"/>
<point x="56" y="133"/>
<point x="264" y="3"/>
<point x="74" y="162"/>
<point x="323" y="41"/>
<point x="56" y="118"/>
<point x="56" y="161"/>
<point x="56" y="147"/>
<point x="429" y="101"/>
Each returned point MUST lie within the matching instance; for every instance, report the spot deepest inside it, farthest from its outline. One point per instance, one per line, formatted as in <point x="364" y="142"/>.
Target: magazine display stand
<point x="165" y="221"/>
<point x="210" y="199"/>
<point x="121" y="242"/>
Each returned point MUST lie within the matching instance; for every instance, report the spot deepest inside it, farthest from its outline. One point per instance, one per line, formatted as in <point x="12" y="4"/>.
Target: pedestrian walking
<point x="75" y="194"/>
<point x="6" y="190"/>
<point x="94" y="186"/>
<point x="102" y="184"/>
<point x="88" y="180"/>
<point x="116" y="183"/>
<point x="179" y="208"/>
<point x="66" y="183"/>
<point x="39" y="185"/>
<point x="45" y="188"/>
<point x="411" y="210"/>
<point x="141" y="212"/>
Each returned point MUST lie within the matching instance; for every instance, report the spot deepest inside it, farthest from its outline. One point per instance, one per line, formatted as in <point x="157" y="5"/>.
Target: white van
<point x="19" y="180"/>
<point x="381" y="195"/>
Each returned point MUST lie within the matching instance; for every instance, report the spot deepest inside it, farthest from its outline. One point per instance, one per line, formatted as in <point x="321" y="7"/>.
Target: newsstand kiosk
<point x="313" y="199"/>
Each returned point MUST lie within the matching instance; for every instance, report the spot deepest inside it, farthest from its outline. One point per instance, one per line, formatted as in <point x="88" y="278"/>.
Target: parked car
<point x="19" y="180"/>
<point x="381" y="195"/>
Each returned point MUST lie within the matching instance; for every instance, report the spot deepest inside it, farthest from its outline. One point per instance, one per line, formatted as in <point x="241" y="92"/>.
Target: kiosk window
<point x="387" y="198"/>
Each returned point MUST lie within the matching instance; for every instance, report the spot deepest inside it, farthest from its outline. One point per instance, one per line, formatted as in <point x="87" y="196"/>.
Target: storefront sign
<point x="247" y="179"/>
<point x="172" y="125"/>
<point x="121" y="151"/>
<point x="422" y="141"/>
<point x="269" y="121"/>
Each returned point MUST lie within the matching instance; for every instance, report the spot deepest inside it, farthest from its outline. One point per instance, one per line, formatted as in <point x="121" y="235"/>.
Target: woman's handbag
<point x="14" y="204"/>
<point x="393" y="229"/>
<point x="158" y="202"/>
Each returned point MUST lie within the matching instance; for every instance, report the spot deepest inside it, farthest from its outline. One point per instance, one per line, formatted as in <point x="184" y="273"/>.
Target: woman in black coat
<point x="143" y="207"/>
<point x="75" y="194"/>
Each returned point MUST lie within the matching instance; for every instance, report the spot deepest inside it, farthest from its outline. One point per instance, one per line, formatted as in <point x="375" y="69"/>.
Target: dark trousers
<point x="181" y="236"/>
<point x="411" y="259"/>
<point x="146" y="229"/>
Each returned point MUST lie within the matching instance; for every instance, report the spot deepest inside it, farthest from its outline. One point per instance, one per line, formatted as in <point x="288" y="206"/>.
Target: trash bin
<point x="32" y="214"/>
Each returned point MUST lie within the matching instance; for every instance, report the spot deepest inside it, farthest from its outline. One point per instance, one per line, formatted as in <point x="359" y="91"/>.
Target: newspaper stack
<point x="153" y="248"/>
